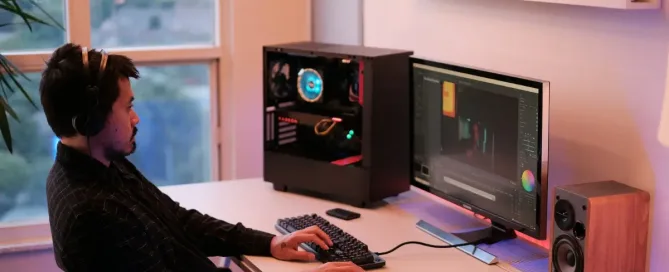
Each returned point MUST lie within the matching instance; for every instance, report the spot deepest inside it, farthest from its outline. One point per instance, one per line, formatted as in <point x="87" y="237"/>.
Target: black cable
<point x="429" y="245"/>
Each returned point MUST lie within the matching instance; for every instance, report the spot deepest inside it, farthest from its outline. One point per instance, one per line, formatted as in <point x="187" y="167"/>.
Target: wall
<point x="337" y="21"/>
<point x="34" y="261"/>
<point x="254" y="23"/>
<point x="607" y="70"/>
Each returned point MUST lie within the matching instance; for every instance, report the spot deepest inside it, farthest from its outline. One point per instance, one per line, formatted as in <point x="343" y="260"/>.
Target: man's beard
<point x="133" y="140"/>
<point x="114" y="154"/>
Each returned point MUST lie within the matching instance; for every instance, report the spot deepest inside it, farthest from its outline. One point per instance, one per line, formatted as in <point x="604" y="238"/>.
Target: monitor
<point x="480" y="140"/>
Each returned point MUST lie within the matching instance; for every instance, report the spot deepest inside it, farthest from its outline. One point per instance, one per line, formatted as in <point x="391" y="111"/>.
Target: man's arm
<point x="219" y="238"/>
<point x="213" y="236"/>
<point x="99" y="241"/>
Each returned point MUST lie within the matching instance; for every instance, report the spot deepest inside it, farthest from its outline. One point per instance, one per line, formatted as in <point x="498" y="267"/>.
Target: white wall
<point x="607" y="70"/>
<point x="34" y="261"/>
<point x="337" y="21"/>
<point x="254" y="23"/>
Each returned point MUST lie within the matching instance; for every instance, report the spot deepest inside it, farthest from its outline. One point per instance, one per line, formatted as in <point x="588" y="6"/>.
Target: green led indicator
<point x="350" y="134"/>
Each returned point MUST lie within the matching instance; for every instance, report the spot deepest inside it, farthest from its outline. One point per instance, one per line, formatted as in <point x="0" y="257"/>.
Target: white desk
<point x="254" y="203"/>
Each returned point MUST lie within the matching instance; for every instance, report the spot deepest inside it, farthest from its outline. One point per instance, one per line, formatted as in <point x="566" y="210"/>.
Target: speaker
<point x="599" y="226"/>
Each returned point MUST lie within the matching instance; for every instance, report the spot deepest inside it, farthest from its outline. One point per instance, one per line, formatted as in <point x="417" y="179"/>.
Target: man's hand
<point x="337" y="267"/>
<point x="285" y="247"/>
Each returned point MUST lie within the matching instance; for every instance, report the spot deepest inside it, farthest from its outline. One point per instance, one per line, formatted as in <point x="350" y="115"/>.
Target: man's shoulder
<point x="68" y="192"/>
<point x="74" y="202"/>
<point x="63" y="184"/>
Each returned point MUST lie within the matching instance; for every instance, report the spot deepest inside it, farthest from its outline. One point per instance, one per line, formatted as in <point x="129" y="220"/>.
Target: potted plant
<point x="15" y="13"/>
<point x="9" y="73"/>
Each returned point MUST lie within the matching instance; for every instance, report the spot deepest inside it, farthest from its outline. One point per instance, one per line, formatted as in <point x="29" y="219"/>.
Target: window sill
<point x="26" y="246"/>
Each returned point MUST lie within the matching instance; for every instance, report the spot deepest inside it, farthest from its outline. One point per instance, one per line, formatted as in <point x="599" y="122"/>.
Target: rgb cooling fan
<point x="279" y="79"/>
<point x="310" y="85"/>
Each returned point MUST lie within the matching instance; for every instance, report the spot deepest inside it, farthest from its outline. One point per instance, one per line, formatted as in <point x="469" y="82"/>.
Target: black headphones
<point x="92" y="120"/>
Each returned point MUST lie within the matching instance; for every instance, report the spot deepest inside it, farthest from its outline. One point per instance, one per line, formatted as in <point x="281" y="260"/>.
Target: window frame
<point x="36" y="235"/>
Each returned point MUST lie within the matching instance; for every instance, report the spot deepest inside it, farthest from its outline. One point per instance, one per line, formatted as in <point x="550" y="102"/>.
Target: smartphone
<point x="342" y="214"/>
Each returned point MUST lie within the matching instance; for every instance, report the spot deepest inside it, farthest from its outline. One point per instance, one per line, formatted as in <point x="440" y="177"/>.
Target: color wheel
<point x="528" y="181"/>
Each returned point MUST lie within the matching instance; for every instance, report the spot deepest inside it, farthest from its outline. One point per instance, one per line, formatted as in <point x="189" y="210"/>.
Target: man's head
<point x="87" y="100"/>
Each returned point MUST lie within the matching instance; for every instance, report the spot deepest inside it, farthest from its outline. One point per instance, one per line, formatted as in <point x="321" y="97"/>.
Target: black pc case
<point x="337" y="121"/>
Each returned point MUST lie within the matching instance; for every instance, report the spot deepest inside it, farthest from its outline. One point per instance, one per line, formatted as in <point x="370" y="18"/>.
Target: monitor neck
<point x="490" y="235"/>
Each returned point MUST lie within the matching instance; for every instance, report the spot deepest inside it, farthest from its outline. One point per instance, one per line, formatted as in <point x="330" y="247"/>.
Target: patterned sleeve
<point x="219" y="238"/>
<point x="100" y="241"/>
<point x="213" y="236"/>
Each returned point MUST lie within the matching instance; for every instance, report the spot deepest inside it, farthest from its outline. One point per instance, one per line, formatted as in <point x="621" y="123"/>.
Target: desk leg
<point x="226" y="262"/>
<point x="244" y="264"/>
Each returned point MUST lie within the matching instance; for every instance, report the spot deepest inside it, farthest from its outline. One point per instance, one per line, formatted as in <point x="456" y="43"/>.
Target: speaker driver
<point x="567" y="255"/>
<point x="564" y="215"/>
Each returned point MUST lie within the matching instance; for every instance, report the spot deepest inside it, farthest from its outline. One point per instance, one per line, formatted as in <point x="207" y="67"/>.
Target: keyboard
<point x="345" y="247"/>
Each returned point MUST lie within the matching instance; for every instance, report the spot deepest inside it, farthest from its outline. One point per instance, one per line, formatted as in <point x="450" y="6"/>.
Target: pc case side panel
<point x="268" y="117"/>
<point x="367" y="130"/>
<point x="390" y="123"/>
<point x="302" y="175"/>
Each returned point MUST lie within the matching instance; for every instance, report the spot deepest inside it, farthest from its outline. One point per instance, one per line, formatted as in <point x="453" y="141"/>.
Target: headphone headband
<point x="91" y="121"/>
<point x="103" y="61"/>
<point x="84" y="57"/>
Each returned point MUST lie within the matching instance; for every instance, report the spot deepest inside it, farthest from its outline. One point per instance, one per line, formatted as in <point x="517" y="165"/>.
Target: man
<point x="104" y="214"/>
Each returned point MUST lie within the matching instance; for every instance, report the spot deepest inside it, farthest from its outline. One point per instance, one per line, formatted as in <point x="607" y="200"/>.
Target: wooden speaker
<point x="599" y="226"/>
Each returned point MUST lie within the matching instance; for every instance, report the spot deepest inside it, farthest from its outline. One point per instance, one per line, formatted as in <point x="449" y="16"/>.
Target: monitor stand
<point x="492" y="234"/>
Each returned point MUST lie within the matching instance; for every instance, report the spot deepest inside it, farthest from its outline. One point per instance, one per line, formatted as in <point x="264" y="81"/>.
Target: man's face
<point x="118" y="136"/>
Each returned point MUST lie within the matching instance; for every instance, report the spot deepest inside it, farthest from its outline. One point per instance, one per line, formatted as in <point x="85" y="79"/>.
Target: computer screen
<point x="480" y="141"/>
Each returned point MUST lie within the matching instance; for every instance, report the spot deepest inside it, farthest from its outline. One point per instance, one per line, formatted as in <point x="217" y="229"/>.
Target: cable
<point x="327" y="130"/>
<point x="429" y="245"/>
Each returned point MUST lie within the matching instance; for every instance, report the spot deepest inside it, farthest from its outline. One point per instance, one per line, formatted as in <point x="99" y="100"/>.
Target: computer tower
<point x="337" y="121"/>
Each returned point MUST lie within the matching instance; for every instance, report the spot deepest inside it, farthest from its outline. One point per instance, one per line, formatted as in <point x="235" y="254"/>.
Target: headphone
<point x="92" y="120"/>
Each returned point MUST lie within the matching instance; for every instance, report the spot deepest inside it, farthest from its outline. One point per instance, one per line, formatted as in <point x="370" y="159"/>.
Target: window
<point x="15" y="36"/>
<point x="131" y="23"/>
<point x="169" y="101"/>
<point x="174" y="135"/>
<point x="176" y="93"/>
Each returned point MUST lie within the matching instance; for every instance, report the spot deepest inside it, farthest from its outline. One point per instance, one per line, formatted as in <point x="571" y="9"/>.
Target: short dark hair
<point x="64" y="81"/>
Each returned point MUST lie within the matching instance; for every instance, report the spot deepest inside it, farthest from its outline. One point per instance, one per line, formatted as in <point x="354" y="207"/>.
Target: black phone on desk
<point x="342" y="214"/>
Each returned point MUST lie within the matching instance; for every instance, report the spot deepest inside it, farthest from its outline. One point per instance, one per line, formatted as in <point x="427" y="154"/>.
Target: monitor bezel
<point x="543" y="87"/>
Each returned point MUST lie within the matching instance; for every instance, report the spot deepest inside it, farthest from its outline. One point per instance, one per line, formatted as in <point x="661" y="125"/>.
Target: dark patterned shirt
<point x="113" y="219"/>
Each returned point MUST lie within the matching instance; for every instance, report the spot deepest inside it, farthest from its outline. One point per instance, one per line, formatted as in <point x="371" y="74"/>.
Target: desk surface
<point x="381" y="228"/>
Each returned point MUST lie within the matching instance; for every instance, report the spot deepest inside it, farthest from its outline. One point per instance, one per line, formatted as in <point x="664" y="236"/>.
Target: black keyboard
<point x="345" y="247"/>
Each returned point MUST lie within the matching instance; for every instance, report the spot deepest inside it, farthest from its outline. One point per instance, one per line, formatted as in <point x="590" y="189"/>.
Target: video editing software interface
<point x="314" y="107"/>
<point x="476" y="139"/>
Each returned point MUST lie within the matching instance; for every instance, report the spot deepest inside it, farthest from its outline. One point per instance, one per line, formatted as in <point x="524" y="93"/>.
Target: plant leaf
<point x="12" y="76"/>
<point x="53" y="20"/>
<point x="11" y="68"/>
<point x="9" y="109"/>
<point x="4" y="128"/>
<point x="16" y="9"/>
<point x="13" y="7"/>
<point x="18" y="84"/>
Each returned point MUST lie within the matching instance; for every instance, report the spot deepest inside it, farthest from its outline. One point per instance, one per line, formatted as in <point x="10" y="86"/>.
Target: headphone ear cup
<point x="96" y="122"/>
<point x="80" y="124"/>
<point x="91" y="123"/>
